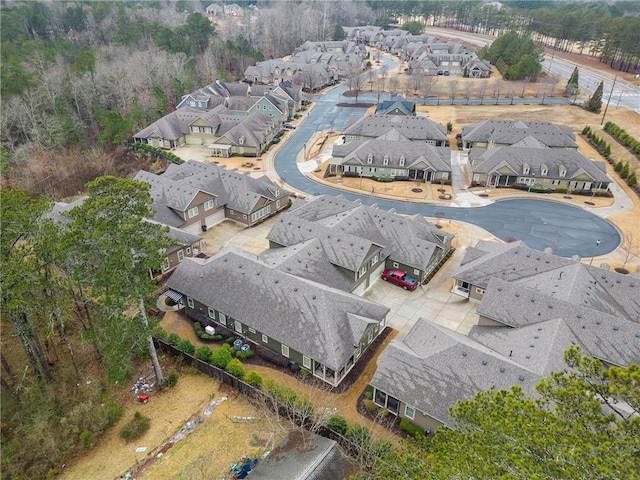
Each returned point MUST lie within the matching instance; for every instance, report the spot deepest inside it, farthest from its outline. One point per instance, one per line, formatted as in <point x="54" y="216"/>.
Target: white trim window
<point x="306" y="362"/>
<point x="190" y="302"/>
<point x="209" y="204"/>
<point x="265" y="339"/>
<point x="285" y="350"/>
<point x="252" y="330"/>
<point x="480" y="290"/>
<point x="180" y="255"/>
<point x="409" y="412"/>
<point x="192" y="212"/>
<point x="222" y="318"/>
<point x="188" y="250"/>
<point x="165" y="265"/>
<point x="212" y="313"/>
<point x="416" y="271"/>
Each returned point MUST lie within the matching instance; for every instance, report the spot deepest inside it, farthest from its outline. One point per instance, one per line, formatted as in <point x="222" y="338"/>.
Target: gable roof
<point x="512" y="131"/>
<point x="353" y="229"/>
<point x="433" y="368"/>
<point x="176" y="188"/>
<point x="307" y="316"/>
<point x="414" y="128"/>
<point x="530" y="152"/>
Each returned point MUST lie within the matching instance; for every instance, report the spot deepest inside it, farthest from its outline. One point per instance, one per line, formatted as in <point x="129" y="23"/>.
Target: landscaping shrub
<point x="160" y="333"/>
<point x="186" y="346"/>
<point x="618" y="166"/>
<point x="253" y="378"/>
<point x="304" y="374"/>
<point x="410" y="429"/>
<point x="235" y="368"/>
<point x="632" y="180"/>
<point x="624" y="172"/>
<point x="381" y="448"/>
<point x="244" y="355"/>
<point x="172" y="379"/>
<point x="369" y="406"/>
<point x="449" y="127"/>
<point x="202" y="335"/>
<point x="359" y="435"/>
<point x="338" y="424"/>
<point x="368" y="393"/>
<point x="204" y="353"/>
<point x="173" y="339"/>
<point x="221" y="356"/>
<point x="229" y="340"/>
<point x="135" y="428"/>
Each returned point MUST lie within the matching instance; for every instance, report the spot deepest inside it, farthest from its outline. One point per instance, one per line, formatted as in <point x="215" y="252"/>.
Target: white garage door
<point x="195" y="229"/>
<point x="377" y="273"/>
<point x="215" y="218"/>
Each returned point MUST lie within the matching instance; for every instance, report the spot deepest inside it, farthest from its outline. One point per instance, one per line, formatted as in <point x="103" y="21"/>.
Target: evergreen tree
<point x="595" y="102"/>
<point x="338" y="33"/>
<point x="573" y="83"/>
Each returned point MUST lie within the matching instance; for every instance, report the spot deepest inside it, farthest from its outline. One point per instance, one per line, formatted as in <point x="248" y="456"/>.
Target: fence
<point x="256" y="394"/>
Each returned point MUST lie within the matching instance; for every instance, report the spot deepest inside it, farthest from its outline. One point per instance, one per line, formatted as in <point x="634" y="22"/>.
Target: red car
<point x="400" y="277"/>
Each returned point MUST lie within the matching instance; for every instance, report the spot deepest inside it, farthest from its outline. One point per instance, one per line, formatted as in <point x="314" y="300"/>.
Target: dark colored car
<point x="400" y="278"/>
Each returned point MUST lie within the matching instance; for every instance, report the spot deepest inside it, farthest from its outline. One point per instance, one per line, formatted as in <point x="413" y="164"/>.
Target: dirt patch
<point x="199" y="428"/>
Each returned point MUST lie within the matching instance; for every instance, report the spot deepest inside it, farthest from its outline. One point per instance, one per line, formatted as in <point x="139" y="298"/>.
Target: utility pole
<point x="609" y="99"/>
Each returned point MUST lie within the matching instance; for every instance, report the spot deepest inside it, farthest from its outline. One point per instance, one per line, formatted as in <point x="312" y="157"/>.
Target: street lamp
<point x="594" y="251"/>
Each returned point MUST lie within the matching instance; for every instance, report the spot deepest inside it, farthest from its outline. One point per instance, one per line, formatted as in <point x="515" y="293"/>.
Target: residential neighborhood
<point x="320" y="240"/>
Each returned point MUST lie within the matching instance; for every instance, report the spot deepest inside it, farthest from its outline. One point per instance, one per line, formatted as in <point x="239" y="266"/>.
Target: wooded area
<point x="78" y="79"/>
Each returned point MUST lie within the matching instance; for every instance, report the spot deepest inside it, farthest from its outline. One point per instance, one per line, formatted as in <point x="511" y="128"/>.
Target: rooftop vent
<point x="501" y="369"/>
<point x="484" y="362"/>
<point x="313" y="297"/>
<point x="521" y="378"/>
<point x="464" y="354"/>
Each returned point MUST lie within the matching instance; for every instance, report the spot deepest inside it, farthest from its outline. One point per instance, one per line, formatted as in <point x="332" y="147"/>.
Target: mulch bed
<point x="387" y="420"/>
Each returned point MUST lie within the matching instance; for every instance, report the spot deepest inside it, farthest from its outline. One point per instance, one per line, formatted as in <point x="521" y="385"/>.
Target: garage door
<point x="377" y="273"/>
<point x="195" y="229"/>
<point x="215" y="218"/>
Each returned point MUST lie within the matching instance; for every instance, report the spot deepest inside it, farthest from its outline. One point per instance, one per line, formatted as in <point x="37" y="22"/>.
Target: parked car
<point x="446" y="73"/>
<point x="289" y="125"/>
<point x="400" y="277"/>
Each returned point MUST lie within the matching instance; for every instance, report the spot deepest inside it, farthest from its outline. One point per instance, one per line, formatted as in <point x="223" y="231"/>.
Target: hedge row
<point x="623" y="137"/>
<point x="159" y="151"/>
<point x="603" y="147"/>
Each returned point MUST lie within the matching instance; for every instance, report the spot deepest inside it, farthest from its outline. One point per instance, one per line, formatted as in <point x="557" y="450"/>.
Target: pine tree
<point x="595" y="102"/>
<point x="573" y="83"/>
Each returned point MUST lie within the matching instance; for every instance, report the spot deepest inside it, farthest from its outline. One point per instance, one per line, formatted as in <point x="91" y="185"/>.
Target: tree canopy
<point x="515" y="55"/>
<point x="584" y="424"/>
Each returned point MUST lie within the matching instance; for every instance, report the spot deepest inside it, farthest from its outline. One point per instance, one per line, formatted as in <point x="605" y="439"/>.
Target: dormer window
<point x="385" y="160"/>
<point x="525" y="169"/>
<point x="563" y="171"/>
<point x="241" y="140"/>
<point x="369" y="159"/>
<point x="192" y="103"/>
<point x="402" y="159"/>
<point x="544" y="171"/>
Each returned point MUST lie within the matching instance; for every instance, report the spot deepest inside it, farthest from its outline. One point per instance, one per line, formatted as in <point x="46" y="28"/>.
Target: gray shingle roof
<point x="432" y="368"/>
<point x="512" y="131"/>
<point x="309" y="317"/>
<point x="353" y="229"/>
<point x="517" y="157"/>
<point x="179" y="184"/>
<point x="393" y="148"/>
<point x="414" y="128"/>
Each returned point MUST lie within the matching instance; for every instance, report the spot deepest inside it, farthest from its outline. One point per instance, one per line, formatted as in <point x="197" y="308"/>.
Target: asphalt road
<point x="539" y="223"/>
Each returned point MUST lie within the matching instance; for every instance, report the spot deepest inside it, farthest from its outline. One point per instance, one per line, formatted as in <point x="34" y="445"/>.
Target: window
<point x="244" y="217"/>
<point x="231" y="212"/>
<point x="192" y="212"/>
<point x="190" y="302"/>
<point x="306" y="362"/>
<point x="385" y="160"/>
<point x="476" y="177"/>
<point x="556" y="182"/>
<point x="480" y="290"/>
<point x="208" y="205"/>
<point x="395" y="265"/>
<point x="180" y="255"/>
<point x="402" y="161"/>
<point x="525" y="169"/>
<point x="409" y="412"/>
<point x="277" y="203"/>
<point x="563" y="171"/>
<point x="544" y="171"/>
<point x="285" y="350"/>
<point x="369" y="159"/>
<point x="222" y="318"/>
<point x="212" y="313"/>
<point x="188" y="249"/>
<point x="238" y="327"/>
<point x="165" y="265"/>
<point x="416" y="271"/>
<point x="363" y="270"/>
<point x="265" y="339"/>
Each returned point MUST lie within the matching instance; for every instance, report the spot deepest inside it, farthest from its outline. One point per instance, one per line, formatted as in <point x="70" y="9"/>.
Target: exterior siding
<point x="425" y="422"/>
<point x="275" y="346"/>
